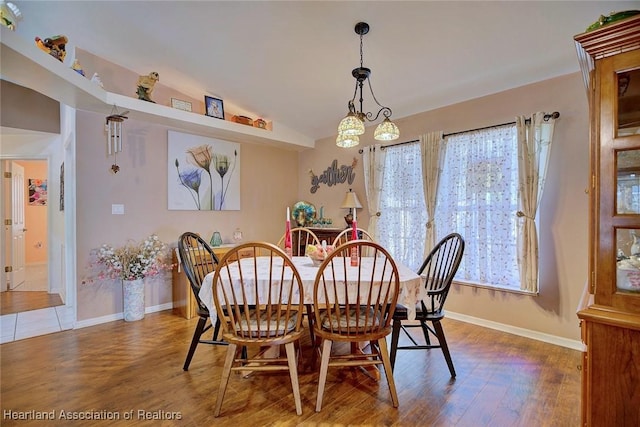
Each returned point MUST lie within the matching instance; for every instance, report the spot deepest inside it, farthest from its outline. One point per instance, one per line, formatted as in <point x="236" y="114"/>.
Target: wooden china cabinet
<point x="610" y="321"/>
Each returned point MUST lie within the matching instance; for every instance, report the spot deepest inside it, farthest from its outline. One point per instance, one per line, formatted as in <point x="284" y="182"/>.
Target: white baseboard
<point x="119" y="316"/>
<point x="527" y="333"/>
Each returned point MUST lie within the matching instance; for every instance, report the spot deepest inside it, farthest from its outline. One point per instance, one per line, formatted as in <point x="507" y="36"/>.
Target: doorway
<point x="26" y="242"/>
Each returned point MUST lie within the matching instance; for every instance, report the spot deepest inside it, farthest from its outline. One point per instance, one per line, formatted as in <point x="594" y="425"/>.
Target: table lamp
<point x="350" y="201"/>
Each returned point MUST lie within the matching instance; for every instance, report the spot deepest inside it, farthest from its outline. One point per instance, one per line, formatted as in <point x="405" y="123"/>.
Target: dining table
<point x="411" y="291"/>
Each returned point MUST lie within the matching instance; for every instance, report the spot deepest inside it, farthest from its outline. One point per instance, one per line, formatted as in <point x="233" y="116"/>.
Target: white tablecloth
<point x="411" y="285"/>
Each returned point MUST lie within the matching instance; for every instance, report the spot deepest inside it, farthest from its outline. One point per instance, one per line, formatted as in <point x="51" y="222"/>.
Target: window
<point x="401" y="228"/>
<point x="477" y="197"/>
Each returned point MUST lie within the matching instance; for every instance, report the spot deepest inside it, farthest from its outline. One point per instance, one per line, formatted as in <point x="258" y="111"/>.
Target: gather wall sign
<point x="333" y="175"/>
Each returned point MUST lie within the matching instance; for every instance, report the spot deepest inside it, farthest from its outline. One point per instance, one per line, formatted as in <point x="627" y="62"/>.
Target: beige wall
<point x="267" y="178"/>
<point x="35" y="216"/>
<point x="268" y="185"/>
<point x="24" y="108"/>
<point x="563" y="210"/>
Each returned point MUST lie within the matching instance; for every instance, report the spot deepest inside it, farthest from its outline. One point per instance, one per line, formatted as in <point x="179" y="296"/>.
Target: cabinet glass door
<point x="628" y="260"/>
<point x="628" y="102"/>
<point x="617" y="246"/>
<point x="628" y="182"/>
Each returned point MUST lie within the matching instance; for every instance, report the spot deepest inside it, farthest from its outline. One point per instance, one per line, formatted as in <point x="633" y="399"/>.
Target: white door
<point x="17" y="250"/>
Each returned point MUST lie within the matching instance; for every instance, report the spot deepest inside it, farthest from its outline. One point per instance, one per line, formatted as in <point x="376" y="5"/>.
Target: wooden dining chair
<point x="259" y="300"/>
<point x="437" y="270"/>
<point x="198" y="260"/>
<point x="355" y="304"/>
<point x="300" y="238"/>
<point x="345" y="236"/>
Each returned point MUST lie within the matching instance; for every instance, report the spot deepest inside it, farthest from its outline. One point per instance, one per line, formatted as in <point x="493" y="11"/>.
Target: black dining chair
<point x="198" y="260"/>
<point x="437" y="270"/>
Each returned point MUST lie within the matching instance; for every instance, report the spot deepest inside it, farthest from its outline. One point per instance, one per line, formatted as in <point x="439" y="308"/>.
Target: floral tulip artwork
<point x="203" y="173"/>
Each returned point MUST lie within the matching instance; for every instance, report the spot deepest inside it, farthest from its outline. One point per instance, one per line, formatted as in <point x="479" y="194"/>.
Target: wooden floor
<point x="19" y="301"/>
<point x="118" y="369"/>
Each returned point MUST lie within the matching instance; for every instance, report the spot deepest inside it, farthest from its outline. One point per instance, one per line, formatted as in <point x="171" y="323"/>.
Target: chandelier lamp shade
<point x="352" y="126"/>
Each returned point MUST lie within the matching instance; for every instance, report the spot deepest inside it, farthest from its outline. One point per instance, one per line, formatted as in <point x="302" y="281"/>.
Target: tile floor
<point x="19" y="326"/>
<point x="36" y="278"/>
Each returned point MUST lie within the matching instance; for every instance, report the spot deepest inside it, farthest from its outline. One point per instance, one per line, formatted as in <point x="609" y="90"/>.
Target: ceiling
<point x="291" y="62"/>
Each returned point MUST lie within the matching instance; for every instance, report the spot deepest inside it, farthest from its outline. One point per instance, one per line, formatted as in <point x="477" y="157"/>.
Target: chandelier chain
<point x="361" y="56"/>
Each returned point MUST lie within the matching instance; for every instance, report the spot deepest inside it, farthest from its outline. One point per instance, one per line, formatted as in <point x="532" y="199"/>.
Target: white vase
<point x="133" y="291"/>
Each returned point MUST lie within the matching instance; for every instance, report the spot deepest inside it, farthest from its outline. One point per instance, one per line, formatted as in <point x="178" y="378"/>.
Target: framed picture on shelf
<point x="180" y="104"/>
<point x="213" y="107"/>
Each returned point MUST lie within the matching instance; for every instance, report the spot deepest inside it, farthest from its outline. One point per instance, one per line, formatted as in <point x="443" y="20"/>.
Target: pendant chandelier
<point x="352" y="126"/>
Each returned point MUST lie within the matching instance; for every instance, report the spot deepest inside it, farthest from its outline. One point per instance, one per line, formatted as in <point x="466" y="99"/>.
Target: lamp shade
<point x="351" y="125"/>
<point x="386" y="131"/>
<point x="347" y="141"/>
<point x="351" y="201"/>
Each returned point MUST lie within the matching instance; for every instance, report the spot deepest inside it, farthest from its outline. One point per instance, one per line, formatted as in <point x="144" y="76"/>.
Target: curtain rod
<point x="553" y="115"/>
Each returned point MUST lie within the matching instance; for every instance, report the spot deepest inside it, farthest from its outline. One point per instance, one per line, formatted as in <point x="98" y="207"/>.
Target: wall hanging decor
<point x="113" y="127"/>
<point x="203" y="173"/>
<point x="38" y="192"/>
<point x="333" y="175"/>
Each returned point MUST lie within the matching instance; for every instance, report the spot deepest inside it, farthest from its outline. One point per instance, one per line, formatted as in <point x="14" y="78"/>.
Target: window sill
<point x="495" y="288"/>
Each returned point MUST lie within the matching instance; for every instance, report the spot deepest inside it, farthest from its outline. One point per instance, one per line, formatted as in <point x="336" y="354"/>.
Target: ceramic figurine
<point x="96" y="79"/>
<point x="54" y="46"/>
<point x="9" y="14"/>
<point x="77" y="67"/>
<point x="146" y="84"/>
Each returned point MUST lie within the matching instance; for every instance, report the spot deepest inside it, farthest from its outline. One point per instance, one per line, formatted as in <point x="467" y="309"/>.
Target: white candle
<point x="354" y="214"/>
<point x="288" y="215"/>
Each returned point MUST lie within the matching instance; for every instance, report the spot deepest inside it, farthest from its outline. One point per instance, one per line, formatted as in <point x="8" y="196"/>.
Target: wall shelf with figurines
<point x="23" y="63"/>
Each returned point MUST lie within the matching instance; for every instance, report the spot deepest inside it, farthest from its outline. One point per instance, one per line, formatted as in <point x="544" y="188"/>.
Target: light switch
<point x="117" y="209"/>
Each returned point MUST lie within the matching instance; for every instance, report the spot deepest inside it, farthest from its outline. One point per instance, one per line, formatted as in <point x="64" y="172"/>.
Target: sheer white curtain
<point x="432" y="150"/>
<point x="373" y="164"/>
<point x="477" y="197"/>
<point x="401" y="227"/>
<point x="534" y="147"/>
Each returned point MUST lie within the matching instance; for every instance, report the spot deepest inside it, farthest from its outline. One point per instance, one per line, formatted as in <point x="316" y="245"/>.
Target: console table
<point x="327" y="234"/>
